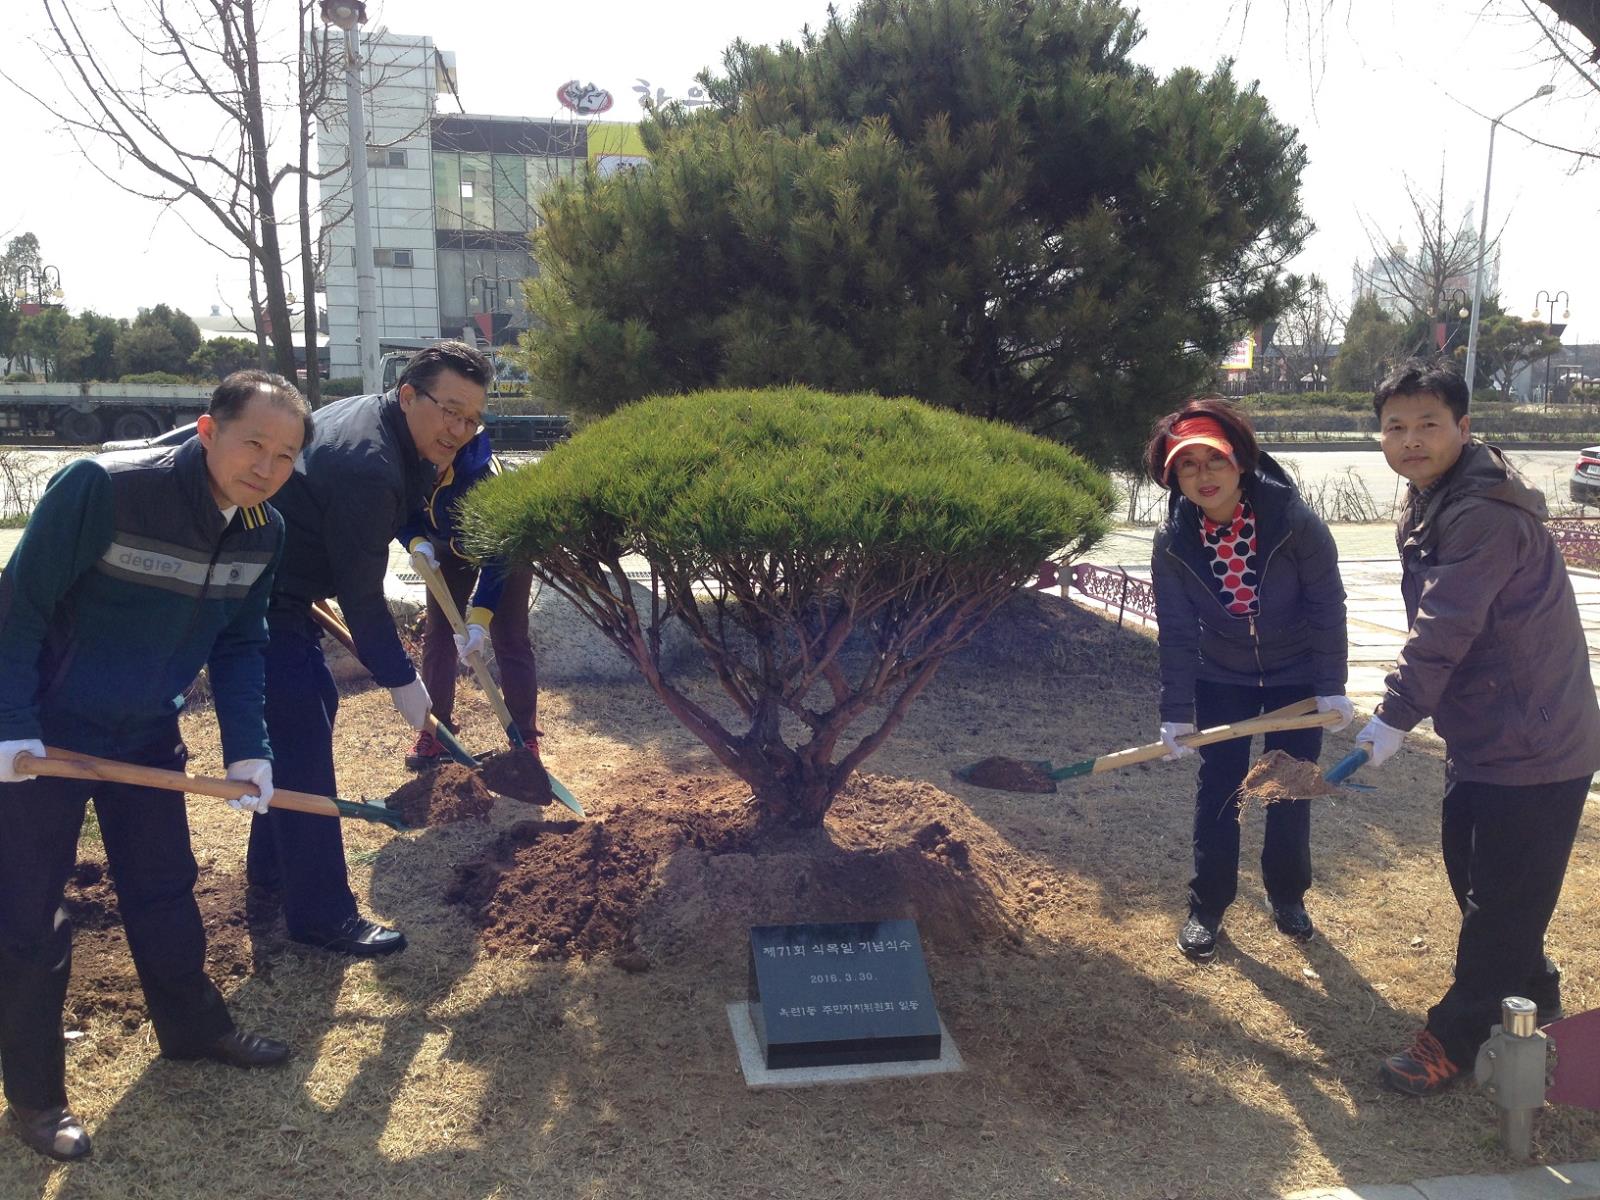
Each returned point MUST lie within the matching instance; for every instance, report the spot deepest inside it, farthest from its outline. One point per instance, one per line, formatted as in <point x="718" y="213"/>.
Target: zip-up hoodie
<point x="435" y="522"/>
<point x="127" y="580"/>
<point x="1496" y="654"/>
<point x="1298" y="636"/>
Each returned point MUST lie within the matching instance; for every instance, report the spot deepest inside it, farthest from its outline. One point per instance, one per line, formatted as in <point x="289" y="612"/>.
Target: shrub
<point x="337" y="389"/>
<point x="776" y="523"/>
<point x="21" y="377"/>
<point x="155" y="377"/>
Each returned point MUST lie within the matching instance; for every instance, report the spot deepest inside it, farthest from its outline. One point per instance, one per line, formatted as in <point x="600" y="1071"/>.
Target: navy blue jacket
<point x="1298" y="637"/>
<point x="126" y="582"/>
<point x="358" y="479"/>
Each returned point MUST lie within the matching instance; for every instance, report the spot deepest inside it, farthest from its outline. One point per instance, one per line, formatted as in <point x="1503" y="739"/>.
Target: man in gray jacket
<point x="1496" y="656"/>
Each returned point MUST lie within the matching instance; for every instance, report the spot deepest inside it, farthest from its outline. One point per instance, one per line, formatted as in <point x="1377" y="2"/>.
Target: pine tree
<point x="984" y="204"/>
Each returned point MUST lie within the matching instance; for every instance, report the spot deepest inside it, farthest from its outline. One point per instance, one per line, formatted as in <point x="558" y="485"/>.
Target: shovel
<point x="330" y="621"/>
<point x="66" y="764"/>
<point x="440" y="591"/>
<point x="1040" y="776"/>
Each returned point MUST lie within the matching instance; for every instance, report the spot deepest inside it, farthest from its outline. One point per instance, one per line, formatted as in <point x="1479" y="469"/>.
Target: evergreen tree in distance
<point x="985" y="205"/>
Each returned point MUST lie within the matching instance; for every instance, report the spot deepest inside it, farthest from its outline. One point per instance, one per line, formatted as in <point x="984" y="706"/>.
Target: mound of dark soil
<point x="656" y="879"/>
<point x="1008" y="775"/>
<point x="517" y="775"/>
<point x="103" y="976"/>
<point x="448" y="793"/>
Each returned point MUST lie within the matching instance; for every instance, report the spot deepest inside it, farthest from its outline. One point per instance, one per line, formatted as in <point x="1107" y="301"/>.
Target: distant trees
<point x="1506" y="344"/>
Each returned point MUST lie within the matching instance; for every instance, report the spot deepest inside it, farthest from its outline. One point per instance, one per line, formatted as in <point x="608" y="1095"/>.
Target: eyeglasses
<point x="454" y="418"/>
<point x="1188" y="468"/>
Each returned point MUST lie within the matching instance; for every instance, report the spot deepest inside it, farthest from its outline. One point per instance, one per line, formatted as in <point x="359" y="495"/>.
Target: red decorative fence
<point x="1579" y="540"/>
<point x="1115" y="588"/>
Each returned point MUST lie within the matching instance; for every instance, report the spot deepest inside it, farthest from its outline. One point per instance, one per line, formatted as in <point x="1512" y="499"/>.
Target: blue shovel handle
<point x="1348" y="765"/>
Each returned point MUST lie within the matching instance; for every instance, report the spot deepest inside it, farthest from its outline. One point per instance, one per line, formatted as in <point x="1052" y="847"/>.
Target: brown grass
<point x="1101" y="1064"/>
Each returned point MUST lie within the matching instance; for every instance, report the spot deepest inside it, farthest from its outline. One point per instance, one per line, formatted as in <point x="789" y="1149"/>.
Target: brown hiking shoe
<point x="1422" y="1069"/>
<point x="428" y="753"/>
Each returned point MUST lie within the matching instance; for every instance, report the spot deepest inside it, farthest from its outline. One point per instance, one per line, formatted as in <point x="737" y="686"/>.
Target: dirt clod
<point x="444" y="795"/>
<point x="1276" y="776"/>
<point x="517" y="775"/>
<point x="1008" y="775"/>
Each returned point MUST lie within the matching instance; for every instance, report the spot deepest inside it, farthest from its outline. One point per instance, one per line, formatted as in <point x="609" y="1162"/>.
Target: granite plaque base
<point x="833" y="994"/>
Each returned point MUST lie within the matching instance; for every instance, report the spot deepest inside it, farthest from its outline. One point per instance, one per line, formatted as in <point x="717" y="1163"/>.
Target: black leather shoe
<point x="240" y="1049"/>
<point x="358" y="937"/>
<point x="1198" y="937"/>
<point x="52" y="1132"/>
<point x="1293" y="921"/>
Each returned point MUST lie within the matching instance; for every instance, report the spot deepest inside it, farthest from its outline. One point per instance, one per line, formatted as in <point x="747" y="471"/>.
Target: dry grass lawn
<point x="1101" y="1064"/>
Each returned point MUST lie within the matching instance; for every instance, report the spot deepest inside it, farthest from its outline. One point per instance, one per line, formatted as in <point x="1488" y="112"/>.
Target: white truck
<point x="86" y="414"/>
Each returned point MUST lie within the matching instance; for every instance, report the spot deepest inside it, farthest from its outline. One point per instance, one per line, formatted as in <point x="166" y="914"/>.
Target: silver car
<point x="1585" y="484"/>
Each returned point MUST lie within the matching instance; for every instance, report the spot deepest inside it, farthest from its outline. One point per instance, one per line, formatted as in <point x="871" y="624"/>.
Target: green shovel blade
<point x="370" y="812"/>
<point x="453" y="744"/>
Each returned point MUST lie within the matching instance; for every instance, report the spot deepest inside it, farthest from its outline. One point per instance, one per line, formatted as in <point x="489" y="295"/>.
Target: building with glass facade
<point x="452" y="199"/>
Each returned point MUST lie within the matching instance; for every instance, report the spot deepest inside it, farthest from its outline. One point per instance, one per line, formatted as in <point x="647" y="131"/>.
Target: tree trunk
<point x="281" y="328"/>
<point x="309" y="77"/>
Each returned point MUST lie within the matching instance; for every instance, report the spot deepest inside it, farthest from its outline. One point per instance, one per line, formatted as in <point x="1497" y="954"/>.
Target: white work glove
<point x="257" y="771"/>
<point x="1171" y="731"/>
<point x="471" y="644"/>
<point x="1340" y="705"/>
<point x="9" y="751"/>
<point x="425" y="549"/>
<point x="1384" y="740"/>
<point x="413" y="702"/>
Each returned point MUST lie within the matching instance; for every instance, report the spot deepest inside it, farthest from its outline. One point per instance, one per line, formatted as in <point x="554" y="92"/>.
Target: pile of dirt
<point x="658" y="879"/>
<point x="1008" y="775"/>
<point x="442" y="796"/>
<point x="103" y="975"/>
<point x="516" y="775"/>
<point x="1276" y="776"/>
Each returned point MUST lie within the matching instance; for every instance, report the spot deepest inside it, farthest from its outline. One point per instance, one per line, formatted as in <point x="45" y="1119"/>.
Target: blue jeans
<point x="1286" y="856"/>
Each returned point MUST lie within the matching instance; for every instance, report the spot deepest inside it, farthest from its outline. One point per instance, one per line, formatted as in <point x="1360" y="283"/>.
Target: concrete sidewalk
<point x="1569" y="1181"/>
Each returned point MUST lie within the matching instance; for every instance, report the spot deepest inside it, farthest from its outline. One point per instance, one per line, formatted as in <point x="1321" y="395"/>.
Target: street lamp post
<point x="1456" y="308"/>
<point x="34" y="284"/>
<point x="348" y="15"/>
<point x="1483" y="237"/>
<point x="1544" y="297"/>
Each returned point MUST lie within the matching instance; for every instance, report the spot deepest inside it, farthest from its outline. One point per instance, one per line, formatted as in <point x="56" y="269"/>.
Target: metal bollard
<point x="1511" y="1068"/>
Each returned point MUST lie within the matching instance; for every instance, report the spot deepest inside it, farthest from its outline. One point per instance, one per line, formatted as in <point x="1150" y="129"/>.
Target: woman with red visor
<point x="1250" y="617"/>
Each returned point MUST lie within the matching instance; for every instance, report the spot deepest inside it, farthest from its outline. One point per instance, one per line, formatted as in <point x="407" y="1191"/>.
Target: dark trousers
<point x="1505" y="851"/>
<point x="301" y="854"/>
<point x="508" y="633"/>
<point x="146" y="837"/>
<point x="1286" y="856"/>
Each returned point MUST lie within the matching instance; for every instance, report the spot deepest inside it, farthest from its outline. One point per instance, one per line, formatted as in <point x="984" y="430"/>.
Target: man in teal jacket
<point x="136" y="569"/>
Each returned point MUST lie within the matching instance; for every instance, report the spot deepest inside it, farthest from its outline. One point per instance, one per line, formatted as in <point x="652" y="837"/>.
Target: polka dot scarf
<point x="1231" y="552"/>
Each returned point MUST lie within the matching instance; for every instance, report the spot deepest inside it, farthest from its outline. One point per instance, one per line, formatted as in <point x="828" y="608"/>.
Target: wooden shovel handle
<point x="67" y="764"/>
<point x="433" y="580"/>
<point x="1270" y="722"/>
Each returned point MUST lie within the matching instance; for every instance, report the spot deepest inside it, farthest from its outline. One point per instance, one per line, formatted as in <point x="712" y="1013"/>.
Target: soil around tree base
<point x="658" y="880"/>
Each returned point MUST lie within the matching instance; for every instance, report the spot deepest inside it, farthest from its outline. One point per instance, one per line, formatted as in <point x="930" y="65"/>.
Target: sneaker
<point x="1293" y="921"/>
<point x="1545" y="992"/>
<point x="1422" y="1069"/>
<point x="428" y="753"/>
<point x="1198" y="937"/>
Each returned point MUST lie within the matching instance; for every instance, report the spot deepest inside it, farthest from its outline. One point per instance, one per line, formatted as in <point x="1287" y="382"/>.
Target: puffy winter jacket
<point x="1298" y="636"/>
<point x="1496" y="654"/>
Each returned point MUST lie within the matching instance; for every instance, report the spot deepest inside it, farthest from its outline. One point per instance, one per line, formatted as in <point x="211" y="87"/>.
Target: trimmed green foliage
<point x="778" y="523"/>
<point x="983" y="204"/>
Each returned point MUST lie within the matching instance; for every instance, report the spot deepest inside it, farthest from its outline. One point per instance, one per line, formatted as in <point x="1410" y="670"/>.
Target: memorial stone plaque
<point x="823" y="995"/>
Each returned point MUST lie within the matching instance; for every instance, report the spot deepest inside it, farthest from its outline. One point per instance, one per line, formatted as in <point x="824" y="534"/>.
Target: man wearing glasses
<point x="371" y="462"/>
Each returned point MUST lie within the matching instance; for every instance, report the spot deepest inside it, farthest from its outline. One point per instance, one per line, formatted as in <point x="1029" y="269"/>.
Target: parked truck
<point x="86" y="414"/>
